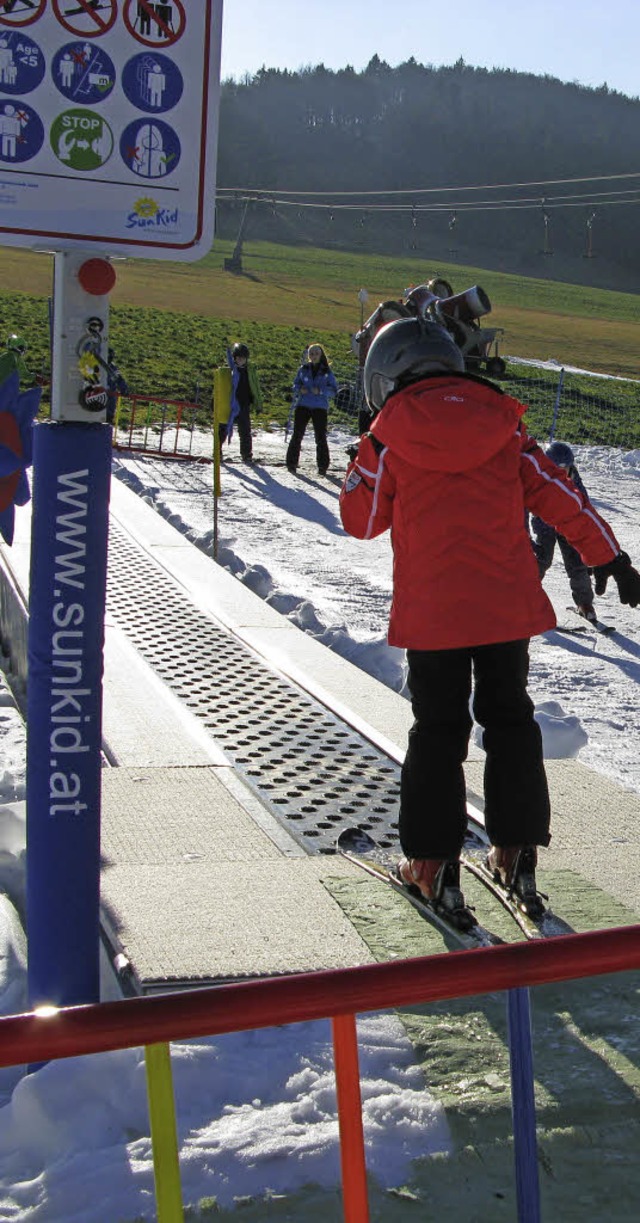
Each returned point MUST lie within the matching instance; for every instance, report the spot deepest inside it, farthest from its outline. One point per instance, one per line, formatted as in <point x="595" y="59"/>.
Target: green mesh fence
<point x="581" y="409"/>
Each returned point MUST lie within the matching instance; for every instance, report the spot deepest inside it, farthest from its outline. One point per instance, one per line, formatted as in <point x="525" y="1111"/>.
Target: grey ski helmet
<point x="240" y="350"/>
<point x="403" y="352"/>
<point x="561" y="454"/>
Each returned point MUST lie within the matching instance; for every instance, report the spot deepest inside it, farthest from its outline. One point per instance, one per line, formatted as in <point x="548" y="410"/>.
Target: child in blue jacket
<point x="314" y="385"/>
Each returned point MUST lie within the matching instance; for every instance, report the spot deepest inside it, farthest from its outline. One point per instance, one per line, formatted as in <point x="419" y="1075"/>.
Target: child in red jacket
<point x="449" y="467"/>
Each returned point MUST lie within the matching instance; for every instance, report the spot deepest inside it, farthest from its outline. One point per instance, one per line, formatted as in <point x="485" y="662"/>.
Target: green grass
<point x="388" y="276"/>
<point x="170" y="322"/>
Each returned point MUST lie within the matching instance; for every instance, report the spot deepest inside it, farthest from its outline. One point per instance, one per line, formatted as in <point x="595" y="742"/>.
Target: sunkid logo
<point x="147" y="214"/>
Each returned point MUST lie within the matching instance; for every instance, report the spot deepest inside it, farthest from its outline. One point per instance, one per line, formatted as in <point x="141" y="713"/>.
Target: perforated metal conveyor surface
<point x="313" y="772"/>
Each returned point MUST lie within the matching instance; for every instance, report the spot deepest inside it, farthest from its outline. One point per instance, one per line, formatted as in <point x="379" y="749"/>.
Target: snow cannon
<point x="385" y="312"/>
<point x="459" y="313"/>
<point x="463" y="307"/>
<point x="420" y="300"/>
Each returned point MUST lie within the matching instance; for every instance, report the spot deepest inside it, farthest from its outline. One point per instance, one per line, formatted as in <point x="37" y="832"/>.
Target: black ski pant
<point x="242" y="423"/>
<point x="301" y="418"/>
<point x="433" y="816"/>
<point x="544" y="541"/>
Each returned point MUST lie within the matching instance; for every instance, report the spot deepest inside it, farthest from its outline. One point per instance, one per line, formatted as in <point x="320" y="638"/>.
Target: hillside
<point x="431" y="133"/>
<point x="171" y="321"/>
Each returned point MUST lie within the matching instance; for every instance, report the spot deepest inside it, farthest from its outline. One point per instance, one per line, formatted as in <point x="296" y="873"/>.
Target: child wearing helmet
<point x="314" y="385"/>
<point x="449" y="467"/>
<point x="544" y="538"/>
<point x="245" y="395"/>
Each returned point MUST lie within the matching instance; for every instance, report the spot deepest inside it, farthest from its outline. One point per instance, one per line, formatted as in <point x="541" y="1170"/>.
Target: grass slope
<point x="170" y="321"/>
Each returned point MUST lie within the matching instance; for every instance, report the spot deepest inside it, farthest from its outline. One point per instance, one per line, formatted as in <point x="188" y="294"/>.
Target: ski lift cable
<point x="549" y="182"/>
<point x="466" y="208"/>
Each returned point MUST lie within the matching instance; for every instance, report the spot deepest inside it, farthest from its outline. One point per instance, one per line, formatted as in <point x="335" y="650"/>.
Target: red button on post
<point x="97" y="277"/>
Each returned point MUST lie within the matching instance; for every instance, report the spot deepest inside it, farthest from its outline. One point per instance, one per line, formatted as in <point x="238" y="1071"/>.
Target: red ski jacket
<point x="449" y="467"/>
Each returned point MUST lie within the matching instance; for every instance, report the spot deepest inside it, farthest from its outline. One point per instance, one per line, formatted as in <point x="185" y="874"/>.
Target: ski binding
<point x="358" y="847"/>
<point x="532" y="915"/>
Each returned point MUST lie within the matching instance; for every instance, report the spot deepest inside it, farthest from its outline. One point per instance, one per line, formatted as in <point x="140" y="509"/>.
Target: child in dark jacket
<point x="245" y="395"/>
<point x="545" y="537"/>
<point x="449" y="467"/>
<point x="314" y="385"/>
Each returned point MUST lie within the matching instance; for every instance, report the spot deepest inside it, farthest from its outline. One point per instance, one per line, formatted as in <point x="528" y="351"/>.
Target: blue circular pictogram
<point x="150" y="148"/>
<point x="83" y="72"/>
<point x="22" y="64"/>
<point x="21" y="131"/>
<point x="152" y="82"/>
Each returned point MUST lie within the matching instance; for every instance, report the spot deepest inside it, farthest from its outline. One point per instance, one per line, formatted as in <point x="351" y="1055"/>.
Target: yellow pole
<point x="221" y="410"/>
<point x="164" y="1138"/>
<point x="116" y="415"/>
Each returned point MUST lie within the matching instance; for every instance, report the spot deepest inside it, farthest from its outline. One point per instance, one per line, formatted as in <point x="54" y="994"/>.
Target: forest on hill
<point x="429" y="134"/>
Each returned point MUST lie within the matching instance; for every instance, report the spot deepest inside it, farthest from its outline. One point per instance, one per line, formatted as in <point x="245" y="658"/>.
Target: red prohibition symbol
<point x="21" y="12"/>
<point x="155" y="24"/>
<point x="86" y="18"/>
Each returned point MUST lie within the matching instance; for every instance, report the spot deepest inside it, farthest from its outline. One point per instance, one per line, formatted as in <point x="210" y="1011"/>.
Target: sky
<point x="74" y="1137"/>
<point x="575" y="40"/>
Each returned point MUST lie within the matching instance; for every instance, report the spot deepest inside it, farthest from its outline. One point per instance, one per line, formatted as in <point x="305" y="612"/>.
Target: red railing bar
<point x="352" y="1158"/>
<point x="307" y="996"/>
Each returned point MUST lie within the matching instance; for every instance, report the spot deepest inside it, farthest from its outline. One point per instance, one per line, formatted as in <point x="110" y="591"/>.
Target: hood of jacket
<point x="447" y="422"/>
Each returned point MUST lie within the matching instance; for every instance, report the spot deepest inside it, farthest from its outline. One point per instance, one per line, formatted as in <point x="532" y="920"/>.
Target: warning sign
<point x="154" y="24"/>
<point x="21" y="12"/>
<point x="108" y="125"/>
<point x="90" y="18"/>
<point x="81" y="139"/>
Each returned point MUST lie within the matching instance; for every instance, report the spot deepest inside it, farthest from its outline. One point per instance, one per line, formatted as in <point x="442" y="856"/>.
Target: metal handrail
<point x="337" y="993"/>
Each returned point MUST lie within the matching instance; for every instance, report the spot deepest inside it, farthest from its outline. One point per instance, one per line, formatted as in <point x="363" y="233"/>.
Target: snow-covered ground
<point x="281" y="535"/>
<point x="74" y="1145"/>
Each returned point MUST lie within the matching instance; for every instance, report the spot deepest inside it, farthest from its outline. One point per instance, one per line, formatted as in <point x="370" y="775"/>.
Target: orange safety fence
<point x="149" y="424"/>
<point x="338" y="994"/>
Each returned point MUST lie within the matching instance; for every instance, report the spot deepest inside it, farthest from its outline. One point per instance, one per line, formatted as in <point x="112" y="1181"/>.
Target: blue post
<point x="523" y="1106"/>
<point x="71" y="476"/>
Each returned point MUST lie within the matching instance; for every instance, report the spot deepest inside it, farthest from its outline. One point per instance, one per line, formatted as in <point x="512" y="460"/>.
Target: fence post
<point x="556" y="406"/>
<point x="352" y="1160"/>
<point x="523" y="1105"/>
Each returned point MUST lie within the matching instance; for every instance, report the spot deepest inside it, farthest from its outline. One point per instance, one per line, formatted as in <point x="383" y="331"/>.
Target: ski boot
<point x="437" y="881"/>
<point x="587" y="611"/>
<point x="514" y="868"/>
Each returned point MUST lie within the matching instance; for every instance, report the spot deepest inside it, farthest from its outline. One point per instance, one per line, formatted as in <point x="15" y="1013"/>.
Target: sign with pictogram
<point x="83" y="72"/>
<point x="155" y="25"/>
<point x="21" y="132"/>
<point x="90" y="18"/>
<point x="152" y="82"/>
<point x="22" y="64"/>
<point x="113" y="105"/>
<point x="21" y="12"/>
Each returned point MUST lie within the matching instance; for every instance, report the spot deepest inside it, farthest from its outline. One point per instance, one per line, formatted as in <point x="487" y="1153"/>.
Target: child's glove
<point x="626" y="578"/>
